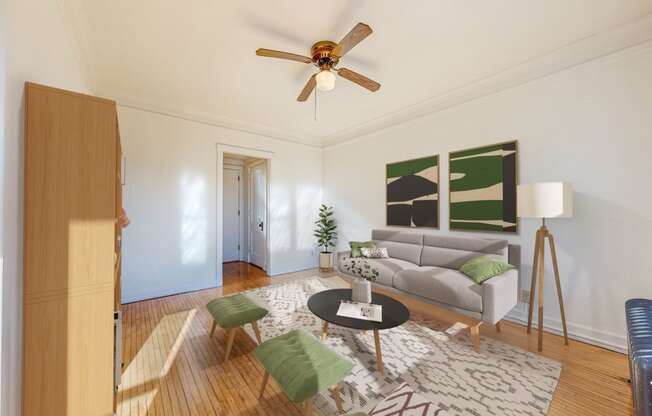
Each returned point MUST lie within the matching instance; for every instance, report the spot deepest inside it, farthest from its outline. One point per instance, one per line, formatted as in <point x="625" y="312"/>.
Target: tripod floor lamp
<point x="544" y="200"/>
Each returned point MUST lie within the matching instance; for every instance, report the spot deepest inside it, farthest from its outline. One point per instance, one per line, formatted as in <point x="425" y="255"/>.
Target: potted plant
<point x="361" y="286"/>
<point x="326" y="233"/>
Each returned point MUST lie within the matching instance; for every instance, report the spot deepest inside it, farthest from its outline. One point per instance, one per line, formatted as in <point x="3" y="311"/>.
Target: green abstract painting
<point x="413" y="192"/>
<point x="483" y="188"/>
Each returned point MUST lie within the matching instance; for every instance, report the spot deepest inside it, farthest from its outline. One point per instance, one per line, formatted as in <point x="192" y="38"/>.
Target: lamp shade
<point x="545" y="200"/>
<point x="325" y="80"/>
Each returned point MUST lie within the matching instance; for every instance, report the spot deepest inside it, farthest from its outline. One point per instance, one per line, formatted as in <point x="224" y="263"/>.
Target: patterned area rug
<point x="436" y="361"/>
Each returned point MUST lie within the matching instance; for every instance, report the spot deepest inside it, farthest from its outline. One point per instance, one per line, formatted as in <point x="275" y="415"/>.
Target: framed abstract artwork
<point x="413" y="192"/>
<point x="482" y="188"/>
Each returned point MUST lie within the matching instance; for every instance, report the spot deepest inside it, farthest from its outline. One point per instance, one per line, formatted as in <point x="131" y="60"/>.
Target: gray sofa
<point x="425" y="267"/>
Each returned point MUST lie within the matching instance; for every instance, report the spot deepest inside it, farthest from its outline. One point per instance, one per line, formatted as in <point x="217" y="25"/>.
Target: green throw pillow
<point x="484" y="268"/>
<point x="357" y="245"/>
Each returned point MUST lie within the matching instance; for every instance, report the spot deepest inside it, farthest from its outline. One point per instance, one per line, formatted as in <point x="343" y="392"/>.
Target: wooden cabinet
<point x="71" y="205"/>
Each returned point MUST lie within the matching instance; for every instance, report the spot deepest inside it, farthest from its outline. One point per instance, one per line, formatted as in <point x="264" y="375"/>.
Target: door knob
<point x="261" y="226"/>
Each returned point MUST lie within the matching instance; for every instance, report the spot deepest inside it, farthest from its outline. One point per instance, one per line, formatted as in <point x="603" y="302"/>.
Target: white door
<point x="258" y="214"/>
<point x="231" y="212"/>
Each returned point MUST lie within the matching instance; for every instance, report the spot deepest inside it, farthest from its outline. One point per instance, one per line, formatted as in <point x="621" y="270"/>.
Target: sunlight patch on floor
<point x="141" y="379"/>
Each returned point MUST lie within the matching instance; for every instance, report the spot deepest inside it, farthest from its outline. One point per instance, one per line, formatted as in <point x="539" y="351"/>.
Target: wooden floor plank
<point x="198" y="382"/>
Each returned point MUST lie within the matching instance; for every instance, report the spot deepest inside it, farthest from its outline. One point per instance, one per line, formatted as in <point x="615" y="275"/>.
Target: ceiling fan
<point x="325" y="56"/>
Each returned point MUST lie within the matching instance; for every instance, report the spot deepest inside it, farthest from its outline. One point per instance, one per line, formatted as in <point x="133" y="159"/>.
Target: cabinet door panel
<point x="68" y="347"/>
<point x="70" y="171"/>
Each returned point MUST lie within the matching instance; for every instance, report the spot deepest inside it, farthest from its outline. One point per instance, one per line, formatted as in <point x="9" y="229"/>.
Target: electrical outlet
<point x="525" y="296"/>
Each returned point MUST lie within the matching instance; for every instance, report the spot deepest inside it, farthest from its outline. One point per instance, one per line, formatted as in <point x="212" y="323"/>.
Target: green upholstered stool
<point x="231" y="312"/>
<point x="302" y="366"/>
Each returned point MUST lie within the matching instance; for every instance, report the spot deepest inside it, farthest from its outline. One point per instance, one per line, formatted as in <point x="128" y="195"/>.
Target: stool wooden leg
<point x="307" y="407"/>
<point x="213" y="328"/>
<point x="335" y="390"/>
<point x="257" y="331"/>
<point x="229" y="343"/>
<point x="498" y="326"/>
<point x="262" y="388"/>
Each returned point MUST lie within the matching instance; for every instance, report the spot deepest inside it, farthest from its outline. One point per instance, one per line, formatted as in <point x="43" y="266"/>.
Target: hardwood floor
<point x="238" y="276"/>
<point x="173" y="367"/>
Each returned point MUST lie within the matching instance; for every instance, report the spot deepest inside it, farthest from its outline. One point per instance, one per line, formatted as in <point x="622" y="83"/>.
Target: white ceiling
<point x="196" y="58"/>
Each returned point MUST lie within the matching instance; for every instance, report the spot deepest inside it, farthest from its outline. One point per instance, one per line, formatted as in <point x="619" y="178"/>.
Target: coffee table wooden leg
<point x="324" y="331"/>
<point x="379" y="354"/>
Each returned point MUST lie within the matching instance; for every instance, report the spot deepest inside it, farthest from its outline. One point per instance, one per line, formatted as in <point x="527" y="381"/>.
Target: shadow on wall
<point x="12" y="247"/>
<point x="194" y="219"/>
<point x="292" y="246"/>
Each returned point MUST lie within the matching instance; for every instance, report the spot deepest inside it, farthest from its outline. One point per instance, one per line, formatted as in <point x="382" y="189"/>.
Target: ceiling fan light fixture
<point x="325" y="80"/>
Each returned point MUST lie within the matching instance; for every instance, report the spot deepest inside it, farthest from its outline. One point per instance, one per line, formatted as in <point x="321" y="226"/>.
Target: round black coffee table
<point x="325" y="305"/>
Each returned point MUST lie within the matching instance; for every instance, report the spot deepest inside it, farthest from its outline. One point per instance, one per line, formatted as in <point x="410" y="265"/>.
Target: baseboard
<point x="577" y="332"/>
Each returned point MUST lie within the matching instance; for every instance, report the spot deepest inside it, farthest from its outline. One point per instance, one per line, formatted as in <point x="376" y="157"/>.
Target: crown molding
<point x="576" y="53"/>
<point x="217" y="121"/>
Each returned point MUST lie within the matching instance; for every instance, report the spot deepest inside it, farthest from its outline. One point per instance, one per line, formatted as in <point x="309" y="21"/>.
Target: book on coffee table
<point x="366" y="311"/>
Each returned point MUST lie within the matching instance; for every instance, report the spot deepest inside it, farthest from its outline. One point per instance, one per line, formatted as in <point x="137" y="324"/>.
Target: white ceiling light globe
<point x="325" y="80"/>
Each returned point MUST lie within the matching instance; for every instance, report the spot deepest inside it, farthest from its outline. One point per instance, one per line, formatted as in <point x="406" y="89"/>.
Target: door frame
<point x="250" y="211"/>
<point x="240" y="170"/>
<point x="245" y="151"/>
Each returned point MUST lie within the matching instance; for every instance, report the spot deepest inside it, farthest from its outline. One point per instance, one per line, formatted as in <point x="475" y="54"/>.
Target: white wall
<point x="590" y="125"/>
<point x="170" y="197"/>
<point x="3" y="73"/>
<point x="39" y="48"/>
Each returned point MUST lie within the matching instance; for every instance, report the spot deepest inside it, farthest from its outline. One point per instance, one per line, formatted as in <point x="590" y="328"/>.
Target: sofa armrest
<point x="340" y="256"/>
<point x="500" y="296"/>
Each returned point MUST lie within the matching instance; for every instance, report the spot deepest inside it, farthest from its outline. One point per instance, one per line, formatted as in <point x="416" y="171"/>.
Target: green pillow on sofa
<point x="484" y="268"/>
<point x="357" y="245"/>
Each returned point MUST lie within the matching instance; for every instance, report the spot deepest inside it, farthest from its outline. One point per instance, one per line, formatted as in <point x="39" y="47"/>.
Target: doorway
<point x="233" y="218"/>
<point x="243" y="212"/>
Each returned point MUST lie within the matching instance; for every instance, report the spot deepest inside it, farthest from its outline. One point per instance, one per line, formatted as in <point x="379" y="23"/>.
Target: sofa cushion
<point x="400" y="244"/>
<point x="441" y="285"/>
<point x="453" y="252"/>
<point x="357" y="245"/>
<point x="483" y="268"/>
<point x="403" y="251"/>
<point x="397" y="236"/>
<point x="374" y="253"/>
<point x="382" y="269"/>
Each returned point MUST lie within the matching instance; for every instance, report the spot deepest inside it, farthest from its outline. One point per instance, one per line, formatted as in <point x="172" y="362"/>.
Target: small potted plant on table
<point x="326" y="233"/>
<point x="366" y="274"/>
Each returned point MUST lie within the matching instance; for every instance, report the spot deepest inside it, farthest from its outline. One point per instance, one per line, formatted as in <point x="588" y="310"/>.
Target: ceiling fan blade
<point x="361" y="80"/>
<point x="307" y="90"/>
<point x="355" y="36"/>
<point x="269" y="53"/>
